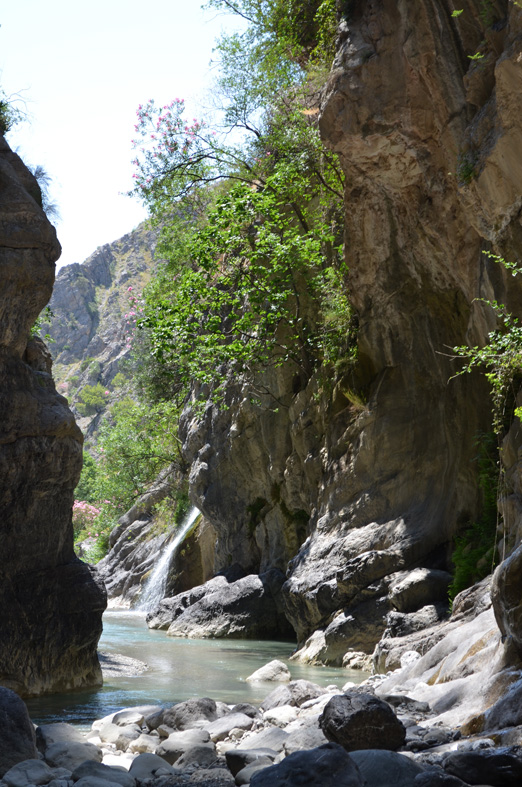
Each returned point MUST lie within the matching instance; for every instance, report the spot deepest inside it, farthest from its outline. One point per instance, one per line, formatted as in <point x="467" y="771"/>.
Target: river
<point x="177" y="670"/>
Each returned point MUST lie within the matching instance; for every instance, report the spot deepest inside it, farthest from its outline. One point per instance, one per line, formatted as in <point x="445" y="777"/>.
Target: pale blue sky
<point x="82" y="69"/>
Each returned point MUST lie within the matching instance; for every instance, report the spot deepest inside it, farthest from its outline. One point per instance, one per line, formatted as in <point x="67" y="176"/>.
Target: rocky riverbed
<point x="406" y="728"/>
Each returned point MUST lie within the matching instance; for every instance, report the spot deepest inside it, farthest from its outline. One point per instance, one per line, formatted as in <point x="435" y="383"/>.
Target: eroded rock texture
<point x="359" y="496"/>
<point x="50" y="616"/>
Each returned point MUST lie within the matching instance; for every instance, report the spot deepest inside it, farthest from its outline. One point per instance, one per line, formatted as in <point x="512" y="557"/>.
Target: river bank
<point x="447" y="715"/>
<point x="300" y="734"/>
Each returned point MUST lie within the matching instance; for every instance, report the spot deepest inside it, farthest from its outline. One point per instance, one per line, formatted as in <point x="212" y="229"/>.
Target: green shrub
<point x="92" y="399"/>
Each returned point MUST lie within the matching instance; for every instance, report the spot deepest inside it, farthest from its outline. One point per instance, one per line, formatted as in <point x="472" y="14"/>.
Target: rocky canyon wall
<point x="50" y="616"/>
<point x="362" y="497"/>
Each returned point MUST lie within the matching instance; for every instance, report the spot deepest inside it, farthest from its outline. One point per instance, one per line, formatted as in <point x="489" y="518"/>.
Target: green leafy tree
<point x="86" y="489"/>
<point x="134" y="445"/>
<point x="251" y="230"/>
<point x="92" y="399"/>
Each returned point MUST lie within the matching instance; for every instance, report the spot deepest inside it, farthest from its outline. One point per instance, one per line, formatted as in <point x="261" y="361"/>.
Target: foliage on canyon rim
<point x="251" y="220"/>
<point x="251" y="231"/>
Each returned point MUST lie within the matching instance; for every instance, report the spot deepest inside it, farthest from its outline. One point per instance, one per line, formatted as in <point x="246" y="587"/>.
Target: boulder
<point x="212" y="777"/>
<point x="328" y="765"/>
<point x="220" y="729"/>
<point x="143" y="743"/>
<point x="245" y="774"/>
<point x="29" y="772"/>
<point x="120" y="737"/>
<point x="245" y="609"/>
<point x="437" y="777"/>
<point x="186" y="715"/>
<point x="247" y="709"/>
<point x="17" y="741"/>
<point x="91" y="769"/>
<point x="150" y="766"/>
<point x="61" y="732"/>
<point x="496" y="767"/>
<point x="304" y="734"/>
<point x="177" y="743"/>
<point x="280" y="716"/>
<point x="202" y="756"/>
<point x="135" y="715"/>
<point x="357" y="720"/>
<point x="409" y="591"/>
<point x="382" y="768"/>
<point x="269" y="738"/>
<point x="70" y="755"/>
<point x="275" y="670"/>
<point x="93" y="781"/>
<point x="238" y="759"/>
<point x="294" y="693"/>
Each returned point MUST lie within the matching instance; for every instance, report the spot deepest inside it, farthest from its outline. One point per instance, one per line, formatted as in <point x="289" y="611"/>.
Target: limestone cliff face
<point x="50" y="615"/>
<point x="358" y="497"/>
<point x="91" y="324"/>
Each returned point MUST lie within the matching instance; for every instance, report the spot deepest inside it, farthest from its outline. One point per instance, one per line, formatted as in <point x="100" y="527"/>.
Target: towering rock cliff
<point x="50" y="615"/>
<point x="365" y="494"/>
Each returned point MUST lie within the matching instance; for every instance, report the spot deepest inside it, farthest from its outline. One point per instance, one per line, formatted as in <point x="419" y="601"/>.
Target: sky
<point x="79" y="71"/>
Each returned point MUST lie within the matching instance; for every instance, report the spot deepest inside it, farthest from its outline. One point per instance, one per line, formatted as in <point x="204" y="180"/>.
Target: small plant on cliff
<point x="500" y="359"/>
<point x="10" y="113"/>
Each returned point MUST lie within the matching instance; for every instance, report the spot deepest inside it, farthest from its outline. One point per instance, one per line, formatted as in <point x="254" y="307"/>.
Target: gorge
<point x="330" y="513"/>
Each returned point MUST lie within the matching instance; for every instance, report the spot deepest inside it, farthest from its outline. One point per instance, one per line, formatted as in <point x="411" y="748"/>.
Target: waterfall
<point x="155" y="585"/>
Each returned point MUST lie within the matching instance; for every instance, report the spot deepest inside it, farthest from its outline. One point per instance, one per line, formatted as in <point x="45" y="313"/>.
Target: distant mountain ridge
<point x="90" y="305"/>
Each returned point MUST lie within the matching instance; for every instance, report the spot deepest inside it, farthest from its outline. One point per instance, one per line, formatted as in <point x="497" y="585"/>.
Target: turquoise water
<point x="177" y="669"/>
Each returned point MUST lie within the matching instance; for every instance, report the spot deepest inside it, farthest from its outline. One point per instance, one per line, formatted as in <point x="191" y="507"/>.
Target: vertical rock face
<point x="50" y="615"/>
<point x="422" y="107"/>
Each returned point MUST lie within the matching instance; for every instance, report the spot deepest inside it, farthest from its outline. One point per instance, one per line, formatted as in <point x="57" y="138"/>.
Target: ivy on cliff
<point x="500" y="360"/>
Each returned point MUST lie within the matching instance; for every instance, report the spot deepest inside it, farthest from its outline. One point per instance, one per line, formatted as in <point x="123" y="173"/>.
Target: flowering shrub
<point x="84" y="517"/>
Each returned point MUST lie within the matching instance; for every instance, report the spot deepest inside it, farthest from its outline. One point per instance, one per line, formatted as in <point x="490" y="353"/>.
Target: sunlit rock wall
<point x="429" y="138"/>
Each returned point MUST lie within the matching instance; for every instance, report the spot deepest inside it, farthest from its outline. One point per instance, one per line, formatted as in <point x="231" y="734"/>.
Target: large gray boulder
<point x="173" y="747"/>
<point x="90" y="769"/>
<point x="71" y="754"/>
<point x="358" y="720"/>
<point x="149" y="766"/>
<point x="248" y="608"/>
<point x="294" y="693"/>
<point x="496" y="767"/>
<point x="275" y="671"/>
<point x="17" y="738"/>
<point x="27" y="773"/>
<point x="61" y="732"/>
<point x="187" y="714"/>
<point x="382" y="768"/>
<point x="328" y="765"/>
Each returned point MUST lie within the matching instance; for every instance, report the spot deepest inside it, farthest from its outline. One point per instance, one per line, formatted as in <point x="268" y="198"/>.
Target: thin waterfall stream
<point x="156" y="584"/>
<point x="176" y="668"/>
